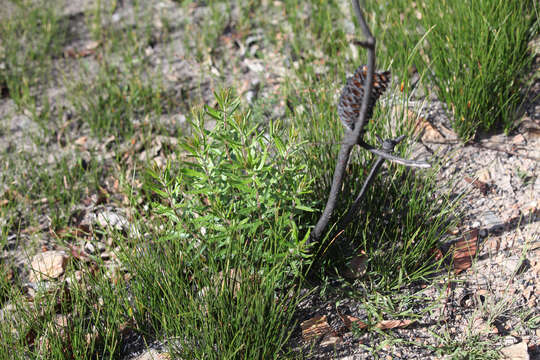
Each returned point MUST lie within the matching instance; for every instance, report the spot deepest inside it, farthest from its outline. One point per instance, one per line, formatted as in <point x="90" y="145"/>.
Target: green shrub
<point x="219" y="277"/>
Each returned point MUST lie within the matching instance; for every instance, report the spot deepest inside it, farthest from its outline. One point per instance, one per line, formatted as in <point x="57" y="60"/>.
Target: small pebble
<point x="89" y="248"/>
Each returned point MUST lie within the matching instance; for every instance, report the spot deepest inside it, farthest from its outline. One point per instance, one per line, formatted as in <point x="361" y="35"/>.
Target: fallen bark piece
<point x="350" y="320"/>
<point x="393" y="324"/>
<point x="315" y="327"/>
<point x="87" y="50"/>
<point x="464" y="251"/>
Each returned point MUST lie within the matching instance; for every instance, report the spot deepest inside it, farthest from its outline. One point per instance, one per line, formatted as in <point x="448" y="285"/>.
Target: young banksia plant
<point x="351" y="97"/>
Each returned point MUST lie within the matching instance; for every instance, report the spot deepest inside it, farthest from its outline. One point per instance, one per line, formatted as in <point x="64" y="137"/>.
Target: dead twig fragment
<point x="355" y="128"/>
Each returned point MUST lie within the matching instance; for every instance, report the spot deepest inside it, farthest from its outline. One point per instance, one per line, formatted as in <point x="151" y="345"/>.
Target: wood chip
<point x="87" y="50"/>
<point x="79" y="255"/>
<point x="464" y="251"/>
<point x="315" y="327"/>
<point x="81" y="141"/>
<point x="393" y="324"/>
<point x="437" y="253"/>
<point x="351" y="321"/>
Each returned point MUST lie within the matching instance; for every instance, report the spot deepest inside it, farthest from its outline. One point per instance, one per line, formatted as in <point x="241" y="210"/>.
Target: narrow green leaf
<point x="305" y="208"/>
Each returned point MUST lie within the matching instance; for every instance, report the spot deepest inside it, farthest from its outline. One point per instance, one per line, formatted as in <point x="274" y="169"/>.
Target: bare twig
<point x="351" y="137"/>
<point x="369" y="44"/>
<point x="387" y="156"/>
<point x="354" y="137"/>
<point x="387" y="148"/>
<point x="342" y="160"/>
<point x="509" y="152"/>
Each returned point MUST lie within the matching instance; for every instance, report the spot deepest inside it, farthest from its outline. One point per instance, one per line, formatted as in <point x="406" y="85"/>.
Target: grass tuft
<point x="475" y="52"/>
<point x="31" y="35"/>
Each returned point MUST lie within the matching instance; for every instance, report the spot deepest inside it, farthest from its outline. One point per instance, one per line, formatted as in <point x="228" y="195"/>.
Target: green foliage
<point x="57" y="188"/>
<point x="230" y="253"/>
<point x="31" y="36"/>
<point x="471" y="347"/>
<point x="252" y="182"/>
<point x="115" y="99"/>
<point x="203" y="36"/>
<point x="81" y="320"/>
<point x="402" y="217"/>
<point x="476" y="52"/>
<point x="216" y="261"/>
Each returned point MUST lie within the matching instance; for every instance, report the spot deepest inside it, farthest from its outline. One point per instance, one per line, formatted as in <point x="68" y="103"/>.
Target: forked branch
<point x="355" y="137"/>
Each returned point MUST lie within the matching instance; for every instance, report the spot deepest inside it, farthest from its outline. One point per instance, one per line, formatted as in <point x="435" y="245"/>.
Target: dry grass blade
<point x="351" y="321"/>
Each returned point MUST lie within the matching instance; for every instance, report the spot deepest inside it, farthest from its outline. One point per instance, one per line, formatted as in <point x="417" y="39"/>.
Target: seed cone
<point x="351" y="97"/>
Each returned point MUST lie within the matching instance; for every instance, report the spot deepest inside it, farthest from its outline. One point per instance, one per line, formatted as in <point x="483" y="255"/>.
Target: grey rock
<point x="101" y="247"/>
<point x="111" y="219"/>
<point x="510" y="340"/>
<point x="491" y="221"/>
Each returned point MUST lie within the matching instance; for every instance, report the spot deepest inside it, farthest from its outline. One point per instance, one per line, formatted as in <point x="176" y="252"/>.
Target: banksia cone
<point x="351" y="97"/>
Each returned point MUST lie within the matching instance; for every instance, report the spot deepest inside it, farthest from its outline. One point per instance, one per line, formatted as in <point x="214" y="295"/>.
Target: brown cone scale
<point x="351" y="97"/>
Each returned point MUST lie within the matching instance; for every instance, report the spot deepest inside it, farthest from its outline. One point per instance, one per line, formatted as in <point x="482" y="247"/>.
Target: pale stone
<point x="484" y="175"/>
<point x="480" y="326"/>
<point x="491" y="221"/>
<point x="112" y="219"/>
<point x="330" y="340"/>
<point x="516" y="352"/>
<point x="430" y="133"/>
<point x="49" y="264"/>
<point x="89" y="248"/>
<point x="153" y="355"/>
<point x="518" y="139"/>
